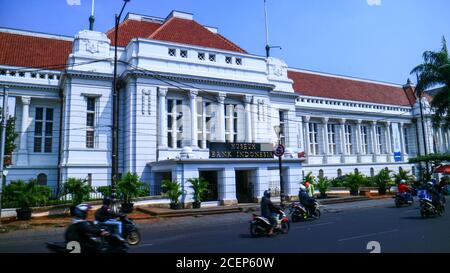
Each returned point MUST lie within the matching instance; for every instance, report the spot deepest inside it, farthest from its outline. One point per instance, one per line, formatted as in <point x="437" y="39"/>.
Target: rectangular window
<point x="172" y="52"/>
<point x="231" y="120"/>
<point x="204" y="123"/>
<point x="405" y="133"/>
<point x="348" y="139"/>
<point x="379" y="140"/>
<point x="183" y="53"/>
<point x="212" y="57"/>
<point x="90" y="122"/>
<point x="238" y="61"/>
<point x="331" y="139"/>
<point x="201" y="56"/>
<point x="228" y="59"/>
<point x="174" y="123"/>
<point x="313" y="141"/>
<point x="364" y="140"/>
<point x="43" y="130"/>
<point x="282" y="115"/>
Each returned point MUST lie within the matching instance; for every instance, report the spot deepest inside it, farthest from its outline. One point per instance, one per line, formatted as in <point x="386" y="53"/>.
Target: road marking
<point x="313" y="225"/>
<point x="368" y="235"/>
<point x="143" y="245"/>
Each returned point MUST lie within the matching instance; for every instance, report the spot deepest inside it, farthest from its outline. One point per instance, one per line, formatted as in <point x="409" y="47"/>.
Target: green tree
<point x="26" y="194"/>
<point x="382" y="180"/>
<point x="129" y="187"/>
<point x="79" y="189"/>
<point x="200" y="187"/>
<point x="402" y="175"/>
<point x="435" y="71"/>
<point x="173" y="190"/>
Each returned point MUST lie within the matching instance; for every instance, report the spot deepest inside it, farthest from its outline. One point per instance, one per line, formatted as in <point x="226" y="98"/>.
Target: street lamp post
<point x="3" y="142"/>
<point x="277" y="129"/>
<point x="115" y="138"/>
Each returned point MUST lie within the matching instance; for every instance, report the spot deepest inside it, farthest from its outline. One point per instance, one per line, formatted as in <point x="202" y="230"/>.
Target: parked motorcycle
<point x="260" y="226"/>
<point x="110" y="243"/>
<point x="299" y="212"/>
<point x="403" y="199"/>
<point x="130" y="231"/>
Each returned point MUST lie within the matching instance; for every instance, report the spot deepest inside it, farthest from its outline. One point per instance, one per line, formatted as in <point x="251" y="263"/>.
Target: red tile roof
<point x="130" y="29"/>
<point x="175" y="30"/>
<point x="31" y="51"/>
<point x="190" y="32"/>
<point x="317" y="85"/>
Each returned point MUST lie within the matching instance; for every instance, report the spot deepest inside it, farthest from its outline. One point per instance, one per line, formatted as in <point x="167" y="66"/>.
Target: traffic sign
<point x="279" y="150"/>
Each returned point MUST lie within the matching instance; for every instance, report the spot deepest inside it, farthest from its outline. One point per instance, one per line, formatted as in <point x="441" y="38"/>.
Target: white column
<point x="248" y="118"/>
<point x="204" y="125"/>
<point x="342" y="138"/>
<point x="441" y="140"/>
<point x="22" y="158"/>
<point x="174" y="125"/>
<point x="374" y="138"/>
<point x="193" y="105"/>
<point x="447" y="133"/>
<point x="325" y="140"/>
<point x="162" y="92"/>
<point x="388" y="141"/>
<point x="230" y="122"/>
<point x="325" y="136"/>
<point x="402" y="140"/>
<point x="307" y="146"/>
<point x="358" y="140"/>
<point x="220" y="122"/>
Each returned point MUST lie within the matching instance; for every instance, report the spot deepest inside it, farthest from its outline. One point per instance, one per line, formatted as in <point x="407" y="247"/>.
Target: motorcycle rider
<point x="404" y="190"/>
<point x="82" y="230"/>
<point x="268" y="209"/>
<point x="107" y="216"/>
<point x="433" y="189"/>
<point x="307" y="201"/>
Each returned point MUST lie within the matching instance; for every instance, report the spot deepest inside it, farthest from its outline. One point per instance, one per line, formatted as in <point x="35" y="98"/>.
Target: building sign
<point x="397" y="144"/>
<point x="240" y="150"/>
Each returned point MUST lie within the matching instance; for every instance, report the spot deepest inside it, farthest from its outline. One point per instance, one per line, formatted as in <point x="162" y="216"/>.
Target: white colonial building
<point x="184" y="87"/>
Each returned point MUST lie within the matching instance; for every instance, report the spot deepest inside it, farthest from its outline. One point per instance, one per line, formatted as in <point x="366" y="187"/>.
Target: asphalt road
<point x="399" y="230"/>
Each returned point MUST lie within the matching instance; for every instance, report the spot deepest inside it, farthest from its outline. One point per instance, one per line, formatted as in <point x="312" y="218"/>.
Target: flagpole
<point x="92" y="18"/>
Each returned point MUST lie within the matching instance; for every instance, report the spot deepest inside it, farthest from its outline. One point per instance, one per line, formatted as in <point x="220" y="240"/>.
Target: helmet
<point x="430" y="183"/>
<point x="402" y="181"/>
<point x="267" y="193"/>
<point x="302" y="187"/>
<point x="81" y="210"/>
<point x="107" y="201"/>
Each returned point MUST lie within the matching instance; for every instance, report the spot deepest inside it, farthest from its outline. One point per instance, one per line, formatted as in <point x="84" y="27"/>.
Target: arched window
<point x="321" y="173"/>
<point x="356" y="170"/>
<point x="372" y="172"/>
<point x="339" y="172"/>
<point x="400" y="169"/>
<point x="42" y="179"/>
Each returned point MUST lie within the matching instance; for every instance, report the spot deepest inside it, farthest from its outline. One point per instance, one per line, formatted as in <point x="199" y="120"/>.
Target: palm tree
<point x="435" y="71"/>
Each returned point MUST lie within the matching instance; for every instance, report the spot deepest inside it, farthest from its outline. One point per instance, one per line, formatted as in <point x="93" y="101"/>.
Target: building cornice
<point x="197" y="79"/>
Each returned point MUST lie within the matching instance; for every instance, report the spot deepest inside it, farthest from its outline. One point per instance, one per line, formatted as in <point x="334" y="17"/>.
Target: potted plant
<point x="129" y="188"/>
<point x="78" y="189"/>
<point x="323" y="185"/>
<point x="353" y="181"/>
<point x="105" y="191"/>
<point x="382" y="180"/>
<point x="26" y="195"/>
<point x="172" y="189"/>
<point x="200" y="187"/>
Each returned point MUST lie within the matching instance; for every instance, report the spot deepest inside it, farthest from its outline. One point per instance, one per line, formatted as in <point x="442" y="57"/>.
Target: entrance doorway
<point x="211" y="177"/>
<point x="244" y="187"/>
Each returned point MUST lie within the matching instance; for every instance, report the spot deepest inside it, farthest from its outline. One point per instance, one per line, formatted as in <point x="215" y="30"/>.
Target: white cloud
<point x="73" y="2"/>
<point x="374" y="2"/>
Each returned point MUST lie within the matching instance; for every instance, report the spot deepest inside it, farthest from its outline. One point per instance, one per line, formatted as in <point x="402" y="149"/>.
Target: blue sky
<point x="381" y="41"/>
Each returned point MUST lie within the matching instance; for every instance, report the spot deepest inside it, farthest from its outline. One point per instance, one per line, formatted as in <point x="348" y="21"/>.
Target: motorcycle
<point x="403" y="199"/>
<point x="298" y="212"/>
<point x="130" y="231"/>
<point x="427" y="208"/>
<point x="110" y="243"/>
<point x="260" y="226"/>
